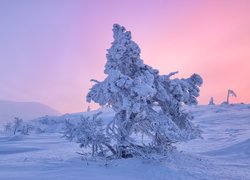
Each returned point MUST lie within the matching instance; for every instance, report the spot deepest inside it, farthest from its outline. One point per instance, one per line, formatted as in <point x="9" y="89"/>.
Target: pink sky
<point x="50" y="49"/>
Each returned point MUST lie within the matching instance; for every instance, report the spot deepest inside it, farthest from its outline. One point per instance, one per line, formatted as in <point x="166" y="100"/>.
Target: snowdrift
<point x="222" y="153"/>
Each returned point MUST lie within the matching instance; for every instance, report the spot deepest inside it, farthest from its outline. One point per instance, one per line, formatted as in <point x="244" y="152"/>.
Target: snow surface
<point x="223" y="153"/>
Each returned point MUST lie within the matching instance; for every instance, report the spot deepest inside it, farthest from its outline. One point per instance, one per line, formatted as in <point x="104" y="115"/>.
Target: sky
<point x="50" y="49"/>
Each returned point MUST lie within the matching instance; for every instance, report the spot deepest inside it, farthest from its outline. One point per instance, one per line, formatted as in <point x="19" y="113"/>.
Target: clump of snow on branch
<point x="145" y="102"/>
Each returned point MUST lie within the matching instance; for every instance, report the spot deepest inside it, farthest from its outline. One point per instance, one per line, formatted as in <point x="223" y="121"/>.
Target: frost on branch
<point x="144" y="101"/>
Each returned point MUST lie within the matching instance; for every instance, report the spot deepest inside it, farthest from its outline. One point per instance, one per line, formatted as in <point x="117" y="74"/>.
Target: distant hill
<point x="24" y="110"/>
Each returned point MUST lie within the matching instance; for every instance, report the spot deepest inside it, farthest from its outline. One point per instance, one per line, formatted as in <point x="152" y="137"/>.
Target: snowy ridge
<point x="24" y="110"/>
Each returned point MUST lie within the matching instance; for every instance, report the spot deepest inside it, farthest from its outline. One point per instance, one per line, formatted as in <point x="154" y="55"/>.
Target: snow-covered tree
<point x="26" y="129"/>
<point x="88" y="108"/>
<point x="144" y="101"/>
<point x="211" y="101"/>
<point x="17" y="124"/>
<point x="88" y="133"/>
<point x="7" y="127"/>
<point x="232" y="93"/>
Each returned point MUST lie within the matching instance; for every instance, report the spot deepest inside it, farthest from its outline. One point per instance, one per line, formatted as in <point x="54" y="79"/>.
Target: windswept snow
<point x="223" y="153"/>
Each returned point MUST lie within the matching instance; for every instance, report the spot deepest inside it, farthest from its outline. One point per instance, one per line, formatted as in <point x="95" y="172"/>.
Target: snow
<point x="223" y="153"/>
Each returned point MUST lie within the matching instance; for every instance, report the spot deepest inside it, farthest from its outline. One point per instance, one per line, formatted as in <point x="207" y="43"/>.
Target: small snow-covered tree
<point x="232" y="93"/>
<point x="144" y="101"/>
<point x="8" y="127"/>
<point x="211" y="101"/>
<point x="26" y="129"/>
<point x="17" y="124"/>
<point x="88" y="133"/>
<point x="88" y="108"/>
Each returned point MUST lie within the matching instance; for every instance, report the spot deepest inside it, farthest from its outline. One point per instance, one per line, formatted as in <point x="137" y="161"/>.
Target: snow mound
<point x="241" y="149"/>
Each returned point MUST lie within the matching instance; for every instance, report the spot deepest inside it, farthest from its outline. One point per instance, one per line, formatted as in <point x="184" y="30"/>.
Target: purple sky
<point x="50" y="49"/>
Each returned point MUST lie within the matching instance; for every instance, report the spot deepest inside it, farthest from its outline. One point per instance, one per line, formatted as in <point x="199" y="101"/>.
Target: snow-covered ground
<point x="223" y="153"/>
